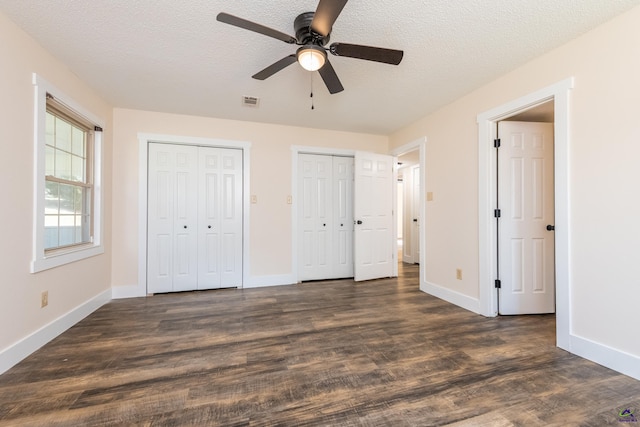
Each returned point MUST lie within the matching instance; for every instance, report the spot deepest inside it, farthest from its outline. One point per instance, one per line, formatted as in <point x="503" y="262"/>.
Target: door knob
<point x="209" y="226"/>
<point x="324" y="225"/>
<point x="358" y="222"/>
<point x="415" y="219"/>
<point x="185" y="226"/>
<point x="550" y="227"/>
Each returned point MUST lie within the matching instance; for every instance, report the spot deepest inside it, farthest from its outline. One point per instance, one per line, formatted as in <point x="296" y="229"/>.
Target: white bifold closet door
<point x="194" y="236"/>
<point x="325" y="216"/>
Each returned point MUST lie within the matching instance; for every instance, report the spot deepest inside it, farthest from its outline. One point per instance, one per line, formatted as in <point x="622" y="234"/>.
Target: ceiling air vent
<point x="250" y="101"/>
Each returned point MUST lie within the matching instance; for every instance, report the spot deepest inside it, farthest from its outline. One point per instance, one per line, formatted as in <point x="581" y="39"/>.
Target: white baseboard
<point x="611" y="358"/>
<point x="12" y="355"/>
<point x="133" y="291"/>
<point x="461" y="300"/>
<point x="273" y="280"/>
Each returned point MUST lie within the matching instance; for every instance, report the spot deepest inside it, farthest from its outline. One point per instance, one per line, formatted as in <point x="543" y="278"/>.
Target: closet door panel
<point x="315" y="216"/>
<point x="185" y="259"/>
<point x="343" y="217"/>
<point x="160" y="220"/>
<point x="231" y="218"/>
<point x="209" y="228"/>
<point x="171" y="219"/>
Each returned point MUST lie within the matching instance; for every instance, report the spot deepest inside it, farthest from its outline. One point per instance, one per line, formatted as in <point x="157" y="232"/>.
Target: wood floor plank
<point x="319" y="353"/>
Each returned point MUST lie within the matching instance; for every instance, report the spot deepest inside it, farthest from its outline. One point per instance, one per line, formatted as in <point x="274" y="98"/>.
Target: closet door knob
<point x="209" y="226"/>
<point x="185" y="226"/>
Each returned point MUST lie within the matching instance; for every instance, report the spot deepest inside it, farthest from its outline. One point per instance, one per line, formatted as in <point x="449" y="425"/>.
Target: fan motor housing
<point x="304" y="34"/>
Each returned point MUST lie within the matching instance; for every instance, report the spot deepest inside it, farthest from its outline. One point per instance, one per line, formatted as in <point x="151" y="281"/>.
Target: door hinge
<point x="498" y="284"/>
<point x="496" y="143"/>
<point x="496" y="213"/>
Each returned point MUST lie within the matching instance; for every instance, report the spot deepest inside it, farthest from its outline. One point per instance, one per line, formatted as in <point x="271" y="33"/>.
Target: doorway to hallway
<point x="408" y="208"/>
<point x="558" y="93"/>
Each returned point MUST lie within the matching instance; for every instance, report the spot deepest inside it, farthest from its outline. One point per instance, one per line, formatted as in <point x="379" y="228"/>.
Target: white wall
<point x="270" y="227"/>
<point x="70" y="286"/>
<point x="603" y="177"/>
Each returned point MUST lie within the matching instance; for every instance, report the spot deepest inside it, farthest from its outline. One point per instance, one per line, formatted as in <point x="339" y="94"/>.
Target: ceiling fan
<point x="313" y="30"/>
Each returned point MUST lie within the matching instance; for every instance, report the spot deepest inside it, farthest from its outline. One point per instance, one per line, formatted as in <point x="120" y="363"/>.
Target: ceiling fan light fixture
<point x="311" y="57"/>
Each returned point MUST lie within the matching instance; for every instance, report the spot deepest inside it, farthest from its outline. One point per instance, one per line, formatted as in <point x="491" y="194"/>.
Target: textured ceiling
<point x="170" y="56"/>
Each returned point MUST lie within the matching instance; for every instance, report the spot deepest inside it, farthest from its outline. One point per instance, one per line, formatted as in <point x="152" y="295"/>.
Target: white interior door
<point x="219" y="218"/>
<point x="374" y="240"/>
<point x="160" y="218"/>
<point x="194" y="237"/>
<point x="526" y="202"/>
<point x="231" y="217"/>
<point x="315" y="191"/>
<point x="342" y="217"/>
<point x="172" y="218"/>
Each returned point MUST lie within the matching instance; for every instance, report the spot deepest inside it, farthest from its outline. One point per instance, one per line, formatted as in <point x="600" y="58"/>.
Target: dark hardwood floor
<point x="334" y="353"/>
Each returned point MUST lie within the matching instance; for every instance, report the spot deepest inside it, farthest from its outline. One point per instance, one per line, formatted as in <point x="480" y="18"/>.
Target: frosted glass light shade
<point x="311" y="58"/>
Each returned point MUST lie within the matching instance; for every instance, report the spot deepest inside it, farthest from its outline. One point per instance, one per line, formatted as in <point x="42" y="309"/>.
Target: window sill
<point x="61" y="258"/>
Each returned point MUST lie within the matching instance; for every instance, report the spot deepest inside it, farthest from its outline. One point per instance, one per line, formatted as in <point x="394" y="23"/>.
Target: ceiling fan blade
<point x="275" y="67"/>
<point x="326" y="14"/>
<point x="252" y="26"/>
<point x="330" y="78"/>
<point x="369" y="53"/>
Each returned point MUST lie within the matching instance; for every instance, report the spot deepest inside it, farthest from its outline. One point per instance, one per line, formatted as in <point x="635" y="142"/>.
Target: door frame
<point x="419" y="144"/>
<point x="487" y="181"/>
<point x="144" y="139"/>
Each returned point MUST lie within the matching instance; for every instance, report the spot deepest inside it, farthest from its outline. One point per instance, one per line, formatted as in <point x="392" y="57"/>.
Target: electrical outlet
<point x="254" y="199"/>
<point x="44" y="299"/>
<point x="429" y="196"/>
<point x="289" y="200"/>
<point x="459" y="273"/>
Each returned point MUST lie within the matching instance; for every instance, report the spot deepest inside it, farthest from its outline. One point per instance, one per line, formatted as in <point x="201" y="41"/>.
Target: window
<point x="68" y="187"/>
<point x="67" y="217"/>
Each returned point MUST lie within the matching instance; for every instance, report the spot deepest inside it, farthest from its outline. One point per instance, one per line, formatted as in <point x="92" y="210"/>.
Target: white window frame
<point x="41" y="259"/>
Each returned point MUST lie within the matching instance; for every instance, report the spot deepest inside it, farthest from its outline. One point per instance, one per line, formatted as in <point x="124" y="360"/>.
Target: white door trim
<point x="559" y="93"/>
<point x="143" y="141"/>
<point x="421" y="145"/>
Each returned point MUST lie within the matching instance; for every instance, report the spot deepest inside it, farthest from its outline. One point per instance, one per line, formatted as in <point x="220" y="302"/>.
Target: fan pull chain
<point x="311" y="96"/>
